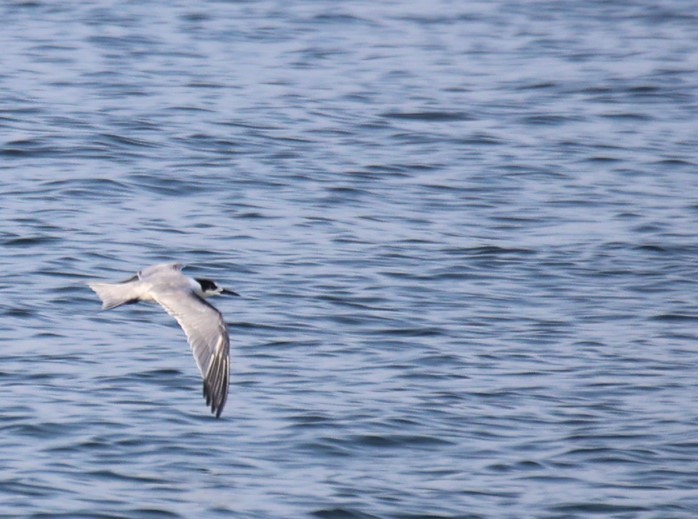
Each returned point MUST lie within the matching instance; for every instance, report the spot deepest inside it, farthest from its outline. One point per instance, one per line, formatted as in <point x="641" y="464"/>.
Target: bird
<point x="184" y="298"/>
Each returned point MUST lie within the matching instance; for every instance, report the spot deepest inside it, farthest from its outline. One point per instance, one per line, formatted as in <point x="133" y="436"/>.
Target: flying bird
<point x="184" y="298"/>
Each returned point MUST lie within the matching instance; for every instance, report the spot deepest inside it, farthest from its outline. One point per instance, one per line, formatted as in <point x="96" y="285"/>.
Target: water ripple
<point x="464" y="237"/>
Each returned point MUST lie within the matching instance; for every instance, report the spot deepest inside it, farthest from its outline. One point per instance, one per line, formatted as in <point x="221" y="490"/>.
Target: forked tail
<point x="115" y="294"/>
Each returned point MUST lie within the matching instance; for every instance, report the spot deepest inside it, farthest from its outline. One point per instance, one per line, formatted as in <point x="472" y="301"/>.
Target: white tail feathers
<point x="114" y="294"/>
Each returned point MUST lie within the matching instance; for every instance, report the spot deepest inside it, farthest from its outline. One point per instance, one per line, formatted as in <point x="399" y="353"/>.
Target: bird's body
<point x="184" y="299"/>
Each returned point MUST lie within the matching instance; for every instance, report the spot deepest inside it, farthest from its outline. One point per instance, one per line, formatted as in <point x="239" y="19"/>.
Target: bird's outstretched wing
<point x="161" y="269"/>
<point x="207" y="334"/>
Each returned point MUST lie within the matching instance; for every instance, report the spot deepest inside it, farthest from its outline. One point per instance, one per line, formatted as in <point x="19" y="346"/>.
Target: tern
<point x="184" y="299"/>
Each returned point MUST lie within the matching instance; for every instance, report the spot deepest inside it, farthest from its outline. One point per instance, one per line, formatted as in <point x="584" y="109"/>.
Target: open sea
<point x="465" y="235"/>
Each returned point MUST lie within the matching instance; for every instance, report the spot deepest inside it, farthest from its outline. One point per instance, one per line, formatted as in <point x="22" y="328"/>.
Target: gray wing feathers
<point x="216" y="382"/>
<point x="162" y="268"/>
<point x="208" y="337"/>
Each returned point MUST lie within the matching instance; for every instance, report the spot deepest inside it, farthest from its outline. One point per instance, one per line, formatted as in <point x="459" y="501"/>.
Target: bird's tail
<point x="115" y="294"/>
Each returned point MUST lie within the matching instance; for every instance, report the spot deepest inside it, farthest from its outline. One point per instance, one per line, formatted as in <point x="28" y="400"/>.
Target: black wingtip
<point x="216" y="411"/>
<point x="207" y="394"/>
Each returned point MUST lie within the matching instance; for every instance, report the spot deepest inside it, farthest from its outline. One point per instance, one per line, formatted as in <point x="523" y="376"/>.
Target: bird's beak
<point x="229" y="293"/>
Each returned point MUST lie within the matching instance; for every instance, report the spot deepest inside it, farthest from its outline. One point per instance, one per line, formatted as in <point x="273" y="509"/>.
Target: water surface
<point x="465" y="236"/>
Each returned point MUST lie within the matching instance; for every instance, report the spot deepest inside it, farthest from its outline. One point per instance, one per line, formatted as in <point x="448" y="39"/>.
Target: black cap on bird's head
<point x="209" y="288"/>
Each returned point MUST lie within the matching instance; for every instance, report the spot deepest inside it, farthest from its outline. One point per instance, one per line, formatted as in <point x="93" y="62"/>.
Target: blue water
<point x="465" y="234"/>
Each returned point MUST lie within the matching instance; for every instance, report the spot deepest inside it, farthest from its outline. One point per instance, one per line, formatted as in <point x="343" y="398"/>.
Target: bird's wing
<point x="208" y="337"/>
<point x="161" y="269"/>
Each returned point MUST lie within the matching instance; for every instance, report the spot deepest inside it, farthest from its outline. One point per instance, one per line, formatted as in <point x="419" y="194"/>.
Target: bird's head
<point x="209" y="288"/>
